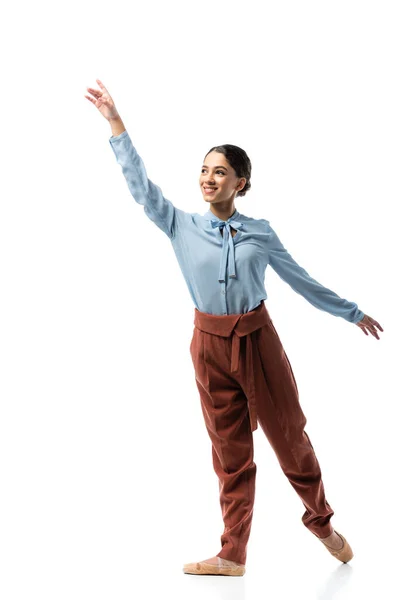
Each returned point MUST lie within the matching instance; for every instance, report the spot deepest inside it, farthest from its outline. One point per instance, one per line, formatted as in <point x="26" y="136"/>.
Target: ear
<point x="241" y="185"/>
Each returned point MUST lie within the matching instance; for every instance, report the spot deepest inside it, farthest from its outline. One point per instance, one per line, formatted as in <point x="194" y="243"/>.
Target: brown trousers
<point x="244" y="375"/>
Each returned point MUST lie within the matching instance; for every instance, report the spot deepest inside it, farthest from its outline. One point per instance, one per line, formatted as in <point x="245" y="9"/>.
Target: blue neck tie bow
<point x="227" y="245"/>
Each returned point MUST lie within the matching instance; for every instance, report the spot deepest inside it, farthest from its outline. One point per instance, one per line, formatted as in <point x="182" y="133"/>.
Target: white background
<point x="107" y="485"/>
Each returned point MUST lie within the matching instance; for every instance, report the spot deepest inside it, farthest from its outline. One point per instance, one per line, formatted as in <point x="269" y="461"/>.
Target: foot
<point x="215" y="566"/>
<point x="333" y="541"/>
<point x="340" y="549"/>
<point x="217" y="560"/>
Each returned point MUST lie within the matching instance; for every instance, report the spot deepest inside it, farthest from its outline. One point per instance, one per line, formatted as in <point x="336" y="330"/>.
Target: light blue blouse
<point x="224" y="273"/>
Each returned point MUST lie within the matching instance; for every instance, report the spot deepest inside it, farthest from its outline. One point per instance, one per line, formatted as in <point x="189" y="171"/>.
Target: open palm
<point x="103" y="101"/>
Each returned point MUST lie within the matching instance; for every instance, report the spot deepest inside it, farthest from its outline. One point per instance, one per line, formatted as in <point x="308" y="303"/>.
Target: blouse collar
<point x="209" y="215"/>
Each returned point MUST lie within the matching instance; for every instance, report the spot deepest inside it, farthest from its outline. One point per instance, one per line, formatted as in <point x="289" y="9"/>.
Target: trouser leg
<point x="226" y="417"/>
<point x="282" y="420"/>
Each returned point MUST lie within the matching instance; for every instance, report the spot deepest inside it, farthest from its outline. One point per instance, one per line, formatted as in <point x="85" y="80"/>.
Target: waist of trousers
<point x="240" y="324"/>
<point x="237" y="326"/>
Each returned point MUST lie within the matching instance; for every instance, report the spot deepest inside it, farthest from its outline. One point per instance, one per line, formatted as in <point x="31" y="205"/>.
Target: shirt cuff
<point x="113" y="138"/>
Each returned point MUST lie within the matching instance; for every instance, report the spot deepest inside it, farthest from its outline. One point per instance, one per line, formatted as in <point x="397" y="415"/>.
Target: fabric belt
<point x="238" y="325"/>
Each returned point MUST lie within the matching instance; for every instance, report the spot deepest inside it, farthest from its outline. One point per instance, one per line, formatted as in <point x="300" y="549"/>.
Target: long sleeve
<point x="160" y="210"/>
<point x="301" y="282"/>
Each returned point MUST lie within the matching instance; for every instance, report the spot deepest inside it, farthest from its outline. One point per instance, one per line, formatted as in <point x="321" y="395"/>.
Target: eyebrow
<point x="219" y="167"/>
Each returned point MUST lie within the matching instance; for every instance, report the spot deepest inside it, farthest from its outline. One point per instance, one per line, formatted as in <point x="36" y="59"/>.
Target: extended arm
<point x="160" y="210"/>
<point x="302" y="283"/>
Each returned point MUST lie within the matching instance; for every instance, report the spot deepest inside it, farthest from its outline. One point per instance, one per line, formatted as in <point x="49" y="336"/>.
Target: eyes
<point x="219" y="171"/>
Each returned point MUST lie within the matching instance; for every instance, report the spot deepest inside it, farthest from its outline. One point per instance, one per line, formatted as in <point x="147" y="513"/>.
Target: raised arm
<point x="302" y="283"/>
<point x="160" y="210"/>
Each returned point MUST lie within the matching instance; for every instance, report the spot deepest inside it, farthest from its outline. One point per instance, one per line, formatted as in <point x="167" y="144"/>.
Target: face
<point x="216" y="173"/>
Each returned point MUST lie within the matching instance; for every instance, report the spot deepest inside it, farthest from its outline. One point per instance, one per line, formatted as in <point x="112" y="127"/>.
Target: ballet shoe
<point x="345" y="553"/>
<point x="222" y="568"/>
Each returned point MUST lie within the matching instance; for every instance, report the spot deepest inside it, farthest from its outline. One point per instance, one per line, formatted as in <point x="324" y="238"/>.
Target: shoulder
<point x="256" y="225"/>
<point x="265" y="227"/>
<point x="189" y="220"/>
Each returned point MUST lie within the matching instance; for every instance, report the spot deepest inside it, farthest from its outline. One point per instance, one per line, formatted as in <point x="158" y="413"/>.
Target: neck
<point x="221" y="212"/>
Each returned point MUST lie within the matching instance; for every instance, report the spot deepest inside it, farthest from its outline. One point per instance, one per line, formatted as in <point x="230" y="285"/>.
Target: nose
<point x="207" y="179"/>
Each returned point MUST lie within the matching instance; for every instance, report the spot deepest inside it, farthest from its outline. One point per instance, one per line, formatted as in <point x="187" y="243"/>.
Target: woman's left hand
<point x="369" y="324"/>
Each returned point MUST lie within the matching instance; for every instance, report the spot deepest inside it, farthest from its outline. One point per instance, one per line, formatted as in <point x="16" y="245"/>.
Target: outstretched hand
<point x="369" y="324"/>
<point x="103" y="101"/>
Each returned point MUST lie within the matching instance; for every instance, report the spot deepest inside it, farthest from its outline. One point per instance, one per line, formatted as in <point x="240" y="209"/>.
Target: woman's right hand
<point x="103" y="101"/>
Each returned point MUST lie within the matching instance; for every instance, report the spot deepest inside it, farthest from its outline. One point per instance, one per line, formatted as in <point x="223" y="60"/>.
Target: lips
<point x="209" y="190"/>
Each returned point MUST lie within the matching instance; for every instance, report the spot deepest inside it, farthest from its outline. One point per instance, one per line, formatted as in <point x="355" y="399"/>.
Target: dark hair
<point x="238" y="160"/>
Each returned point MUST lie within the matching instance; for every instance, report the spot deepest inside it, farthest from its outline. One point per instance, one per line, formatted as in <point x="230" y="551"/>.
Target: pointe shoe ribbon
<point x="345" y="553"/>
<point x="222" y="568"/>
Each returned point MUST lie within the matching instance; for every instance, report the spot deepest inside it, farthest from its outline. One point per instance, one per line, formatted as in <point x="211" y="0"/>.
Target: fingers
<point x="98" y="93"/>
<point x="366" y="329"/>
<point x="374" y="333"/>
<point x="94" y="92"/>
<point x="101" y="86"/>
<point x="368" y="324"/>
<point x="376" y="323"/>
<point x="98" y="102"/>
<point x="372" y="324"/>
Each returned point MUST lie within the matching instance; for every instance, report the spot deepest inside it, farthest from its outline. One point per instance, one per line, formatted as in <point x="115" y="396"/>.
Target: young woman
<point x="242" y="372"/>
